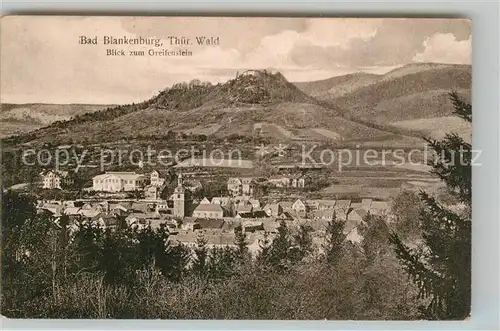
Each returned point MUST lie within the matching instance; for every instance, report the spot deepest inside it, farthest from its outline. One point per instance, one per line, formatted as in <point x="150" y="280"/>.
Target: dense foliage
<point x="441" y="266"/>
<point x="74" y="269"/>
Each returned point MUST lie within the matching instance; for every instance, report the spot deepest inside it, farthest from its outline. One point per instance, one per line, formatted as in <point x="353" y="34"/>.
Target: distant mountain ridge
<point x="412" y="91"/>
<point x="254" y="99"/>
<point x="20" y="118"/>
<point x="355" y="107"/>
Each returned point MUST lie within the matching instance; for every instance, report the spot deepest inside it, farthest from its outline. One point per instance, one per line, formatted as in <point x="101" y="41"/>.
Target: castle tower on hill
<point x="179" y="202"/>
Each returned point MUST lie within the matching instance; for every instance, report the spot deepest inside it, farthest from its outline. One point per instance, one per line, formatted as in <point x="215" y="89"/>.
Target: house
<point x="156" y="179"/>
<point x="255" y="203"/>
<point x="297" y="181"/>
<point x="252" y="226"/>
<point x="287" y="216"/>
<point x="286" y="205"/>
<point x="342" y="208"/>
<point x="324" y="215"/>
<point x="356" y="215"/>
<point x="205" y="201"/>
<point x="379" y="208"/>
<point x="210" y="223"/>
<point x="253" y="214"/>
<point x="190" y="226"/>
<point x="226" y="203"/>
<point x="118" y="182"/>
<point x="56" y="179"/>
<point x="366" y="204"/>
<point x="299" y="207"/>
<point x="244" y="208"/>
<point x="241" y="186"/>
<point x="221" y="200"/>
<point x="55" y="210"/>
<point x="353" y="235"/>
<point x="234" y="186"/>
<point x="152" y="192"/>
<point x="105" y="221"/>
<point x="273" y="209"/>
<point x="279" y="181"/>
<point x="326" y="204"/>
<point x="247" y="186"/>
<point x="208" y="210"/>
<point x="312" y="205"/>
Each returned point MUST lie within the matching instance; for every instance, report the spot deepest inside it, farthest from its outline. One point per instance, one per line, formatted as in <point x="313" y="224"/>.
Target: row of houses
<point x="237" y="186"/>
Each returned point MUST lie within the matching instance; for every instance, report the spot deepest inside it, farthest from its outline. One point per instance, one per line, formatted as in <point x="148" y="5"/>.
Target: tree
<point x="264" y="249"/>
<point x="441" y="267"/>
<point x="241" y="243"/>
<point x="175" y="263"/>
<point x="406" y="208"/>
<point x="279" y="253"/>
<point x="200" y="258"/>
<point x="334" y="240"/>
<point x="303" y="242"/>
<point x="221" y="262"/>
<point x="375" y="234"/>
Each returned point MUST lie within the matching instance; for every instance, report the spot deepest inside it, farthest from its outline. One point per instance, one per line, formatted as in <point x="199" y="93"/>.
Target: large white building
<point x="118" y="181"/>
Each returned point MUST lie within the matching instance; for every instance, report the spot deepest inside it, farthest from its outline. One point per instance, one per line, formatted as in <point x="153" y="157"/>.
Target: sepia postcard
<point x="265" y="168"/>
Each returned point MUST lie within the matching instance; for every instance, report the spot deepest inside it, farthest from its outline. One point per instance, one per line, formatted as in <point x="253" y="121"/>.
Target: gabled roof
<point x="244" y="208"/>
<point x="223" y="201"/>
<point x="359" y="211"/>
<point x="254" y="214"/>
<point x="72" y="211"/>
<point x="139" y="207"/>
<point x="204" y="201"/>
<point x="323" y="214"/>
<point x="286" y="204"/>
<point x="350" y="225"/>
<point x="298" y="201"/>
<point x="235" y="180"/>
<point x="273" y="207"/>
<point x="89" y="212"/>
<point x="286" y="216"/>
<point x="208" y="207"/>
<point x="355" y="205"/>
<point x="246" y="180"/>
<point x="137" y="216"/>
<point x="342" y="204"/>
<point x="161" y="172"/>
<point x="210" y="223"/>
<point x="254" y="202"/>
<point x="327" y="203"/>
<point x="379" y="206"/>
<point x="278" y="177"/>
<point x="366" y="202"/>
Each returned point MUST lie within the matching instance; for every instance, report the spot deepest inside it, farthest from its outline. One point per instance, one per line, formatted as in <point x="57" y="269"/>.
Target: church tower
<point x="179" y="203"/>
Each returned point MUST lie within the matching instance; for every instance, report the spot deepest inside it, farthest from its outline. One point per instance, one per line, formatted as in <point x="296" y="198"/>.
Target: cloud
<point x="444" y="47"/>
<point x="48" y="65"/>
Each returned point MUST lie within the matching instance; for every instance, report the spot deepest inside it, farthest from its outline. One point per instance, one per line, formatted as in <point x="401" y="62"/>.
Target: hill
<point x="412" y="92"/>
<point x="20" y="118"/>
<point x="334" y="87"/>
<point x="253" y="100"/>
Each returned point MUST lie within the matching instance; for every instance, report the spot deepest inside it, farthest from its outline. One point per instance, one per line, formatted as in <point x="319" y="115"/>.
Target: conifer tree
<point x="279" y="253"/>
<point x="442" y="267"/>
<point x="303" y="242"/>
<point x="334" y="239"/>
<point x="264" y="249"/>
<point x="241" y="243"/>
<point x="200" y="258"/>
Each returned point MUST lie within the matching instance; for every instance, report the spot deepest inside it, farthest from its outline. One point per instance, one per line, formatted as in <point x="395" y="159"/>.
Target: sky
<point x="42" y="61"/>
